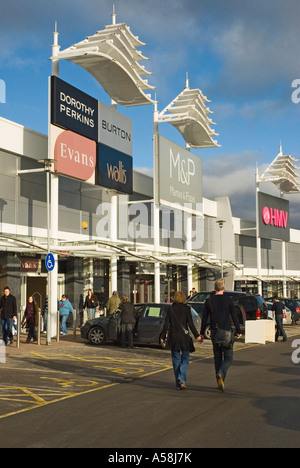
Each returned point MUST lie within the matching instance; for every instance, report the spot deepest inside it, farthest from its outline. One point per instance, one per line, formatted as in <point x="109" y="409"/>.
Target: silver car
<point x="287" y="314"/>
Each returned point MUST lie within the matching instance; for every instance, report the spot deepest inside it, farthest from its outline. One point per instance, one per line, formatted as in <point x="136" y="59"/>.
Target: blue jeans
<point x="91" y="311"/>
<point x="181" y="360"/>
<point x="6" y="330"/>
<point x="63" y="327"/>
<point x="223" y="357"/>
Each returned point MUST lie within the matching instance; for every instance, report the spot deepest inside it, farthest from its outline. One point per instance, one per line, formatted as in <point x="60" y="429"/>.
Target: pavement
<point x="72" y="394"/>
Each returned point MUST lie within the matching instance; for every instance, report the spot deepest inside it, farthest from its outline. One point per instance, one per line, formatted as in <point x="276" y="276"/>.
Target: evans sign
<point x="75" y="155"/>
<point x="180" y="175"/>
<point x="274" y="217"/>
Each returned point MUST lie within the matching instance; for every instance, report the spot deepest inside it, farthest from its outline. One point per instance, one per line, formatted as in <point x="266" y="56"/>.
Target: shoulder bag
<point x="186" y="332"/>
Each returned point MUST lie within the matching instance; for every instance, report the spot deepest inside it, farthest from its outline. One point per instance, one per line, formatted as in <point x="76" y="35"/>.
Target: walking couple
<point x="219" y="312"/>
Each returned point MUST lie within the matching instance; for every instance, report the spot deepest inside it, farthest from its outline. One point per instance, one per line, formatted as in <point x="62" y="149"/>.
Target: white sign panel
<point x="115" y="129"/>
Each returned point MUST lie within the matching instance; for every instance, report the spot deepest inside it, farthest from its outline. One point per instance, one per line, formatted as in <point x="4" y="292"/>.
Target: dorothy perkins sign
<point x="74" y="110"/>
<point x="180" y="175"/>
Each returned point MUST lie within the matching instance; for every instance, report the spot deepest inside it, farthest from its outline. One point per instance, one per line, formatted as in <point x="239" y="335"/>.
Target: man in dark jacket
<point x="127" y="322"/>
<point x="278" y="308"/>
<point x="8" y="307"/>
<point x="221" y="311"/>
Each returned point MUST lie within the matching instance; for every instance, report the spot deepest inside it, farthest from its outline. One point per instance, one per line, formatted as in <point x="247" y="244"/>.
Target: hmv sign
<point x="274" y="217"/>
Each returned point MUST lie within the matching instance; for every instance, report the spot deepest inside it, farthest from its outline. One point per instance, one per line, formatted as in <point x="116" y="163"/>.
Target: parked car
<point x="150" y="319"/>
<point x="247" y="307"/>
<point x="199" y="299"/>
<point x="294" y="306"/>
<point x="287" y="314"/>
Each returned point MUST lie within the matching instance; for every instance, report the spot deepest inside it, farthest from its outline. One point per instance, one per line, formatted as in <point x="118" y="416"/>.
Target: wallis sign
<point x="89" y="141"/>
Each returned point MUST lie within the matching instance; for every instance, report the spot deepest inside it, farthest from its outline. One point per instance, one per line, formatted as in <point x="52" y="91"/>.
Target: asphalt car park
<point x="35" y="376"/>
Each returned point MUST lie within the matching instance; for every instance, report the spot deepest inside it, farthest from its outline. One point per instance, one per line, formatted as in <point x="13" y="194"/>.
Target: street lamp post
<point x="221" y="223"/>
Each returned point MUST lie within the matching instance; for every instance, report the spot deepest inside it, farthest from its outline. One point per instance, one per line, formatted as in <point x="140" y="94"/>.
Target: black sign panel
<point x="274" y="217"/>
<point x="74" y="110"/>
<point x="114" y="169"/>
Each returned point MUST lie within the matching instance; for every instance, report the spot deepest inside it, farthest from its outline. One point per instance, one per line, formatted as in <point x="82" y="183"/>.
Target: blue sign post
<point x="50" y="262"/>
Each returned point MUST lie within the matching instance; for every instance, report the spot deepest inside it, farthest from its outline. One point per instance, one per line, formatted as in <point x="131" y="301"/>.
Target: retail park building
<point x="125" y="230"/>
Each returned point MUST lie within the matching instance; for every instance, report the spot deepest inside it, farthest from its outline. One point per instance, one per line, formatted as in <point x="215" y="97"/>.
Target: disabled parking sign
<point x="50" y="262"/>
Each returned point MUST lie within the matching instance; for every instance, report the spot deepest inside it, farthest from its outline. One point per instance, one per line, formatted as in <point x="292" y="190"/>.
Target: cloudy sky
<point x="243" y="54"/>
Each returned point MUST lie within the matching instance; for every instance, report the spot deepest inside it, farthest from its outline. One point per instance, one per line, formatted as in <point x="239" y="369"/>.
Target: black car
<point x="199" y="299"/>
<point x="247" y="307"/>
<point x="150" y="319"/>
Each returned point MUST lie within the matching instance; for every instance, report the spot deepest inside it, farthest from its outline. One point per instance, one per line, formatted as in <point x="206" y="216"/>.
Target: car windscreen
<point x="200" y="297"/>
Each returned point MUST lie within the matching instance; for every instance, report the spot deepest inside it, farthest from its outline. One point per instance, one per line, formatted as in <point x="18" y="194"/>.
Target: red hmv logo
<point x="274" y="217"/>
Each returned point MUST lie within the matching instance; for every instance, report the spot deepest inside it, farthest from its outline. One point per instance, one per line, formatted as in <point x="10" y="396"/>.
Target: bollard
<point x="74" y="323"/>
<point x="39" y="328"/>
<point x="57" y="327"/>
<point x="18" y="328"/>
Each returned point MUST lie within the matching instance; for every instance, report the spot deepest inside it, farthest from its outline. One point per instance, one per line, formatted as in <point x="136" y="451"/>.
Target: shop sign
<point x="274" y="222"/>
<point x="115" y="129"/>
<point x="180" y="175"/>
<point x="75" y="155"/>
<point x="114" y="169"/>
<point x="30" y="265"/>
<point x="73" y="110"/>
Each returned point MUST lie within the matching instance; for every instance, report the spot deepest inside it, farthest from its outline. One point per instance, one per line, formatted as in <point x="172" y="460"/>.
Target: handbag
<point x="223" y="338"/>
<point x="186" y="332"/>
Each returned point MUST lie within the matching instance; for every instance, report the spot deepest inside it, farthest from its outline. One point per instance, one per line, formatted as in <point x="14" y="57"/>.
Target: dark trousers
<point x="223" y="357"/>
<point x="31" y="330"/>
<point x="280" y="330"/>
<point x="6" y="330"/>
<point x="127" y="334"/>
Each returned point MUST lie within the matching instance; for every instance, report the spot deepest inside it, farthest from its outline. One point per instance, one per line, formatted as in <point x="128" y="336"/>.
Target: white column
<point x="54" y="202"/>
<point x="258" y="239"/>
<point x="53" y="299"/>
<point x="156" y="224"/>
<point x="284" y="269"/>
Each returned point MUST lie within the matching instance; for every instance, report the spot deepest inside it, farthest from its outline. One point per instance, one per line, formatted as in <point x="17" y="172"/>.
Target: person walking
<point x="30" y="316"/>
<point x="8" y="307"/>
<point x="113" y="303"/>
<point x="278" y="308"/>
<point x="219" y="313"/>
<point x="90" y="304"/>
<point x="175" y="334"/>
<point x="127" y="322"/>
<point x="64" y="307"/>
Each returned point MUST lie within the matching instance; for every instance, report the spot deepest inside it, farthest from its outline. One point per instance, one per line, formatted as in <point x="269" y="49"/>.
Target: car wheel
<point x="207" y="333"/>
<point x="97" y="336"/>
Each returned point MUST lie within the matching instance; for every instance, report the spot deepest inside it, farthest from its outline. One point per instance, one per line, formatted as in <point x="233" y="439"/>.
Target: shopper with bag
<point x="219" y="313"/>
<point x="31" y="319"/>
<point x="175" y="333"/>
<point x="8" y="308"/>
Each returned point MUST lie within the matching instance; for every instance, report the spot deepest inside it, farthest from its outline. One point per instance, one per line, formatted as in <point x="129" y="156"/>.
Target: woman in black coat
<point x="175" y="330"/>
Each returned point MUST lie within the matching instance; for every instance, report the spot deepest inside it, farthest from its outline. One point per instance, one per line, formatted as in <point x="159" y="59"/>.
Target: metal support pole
<point x="18" y="328"/>
<point x="156" y="222"/>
